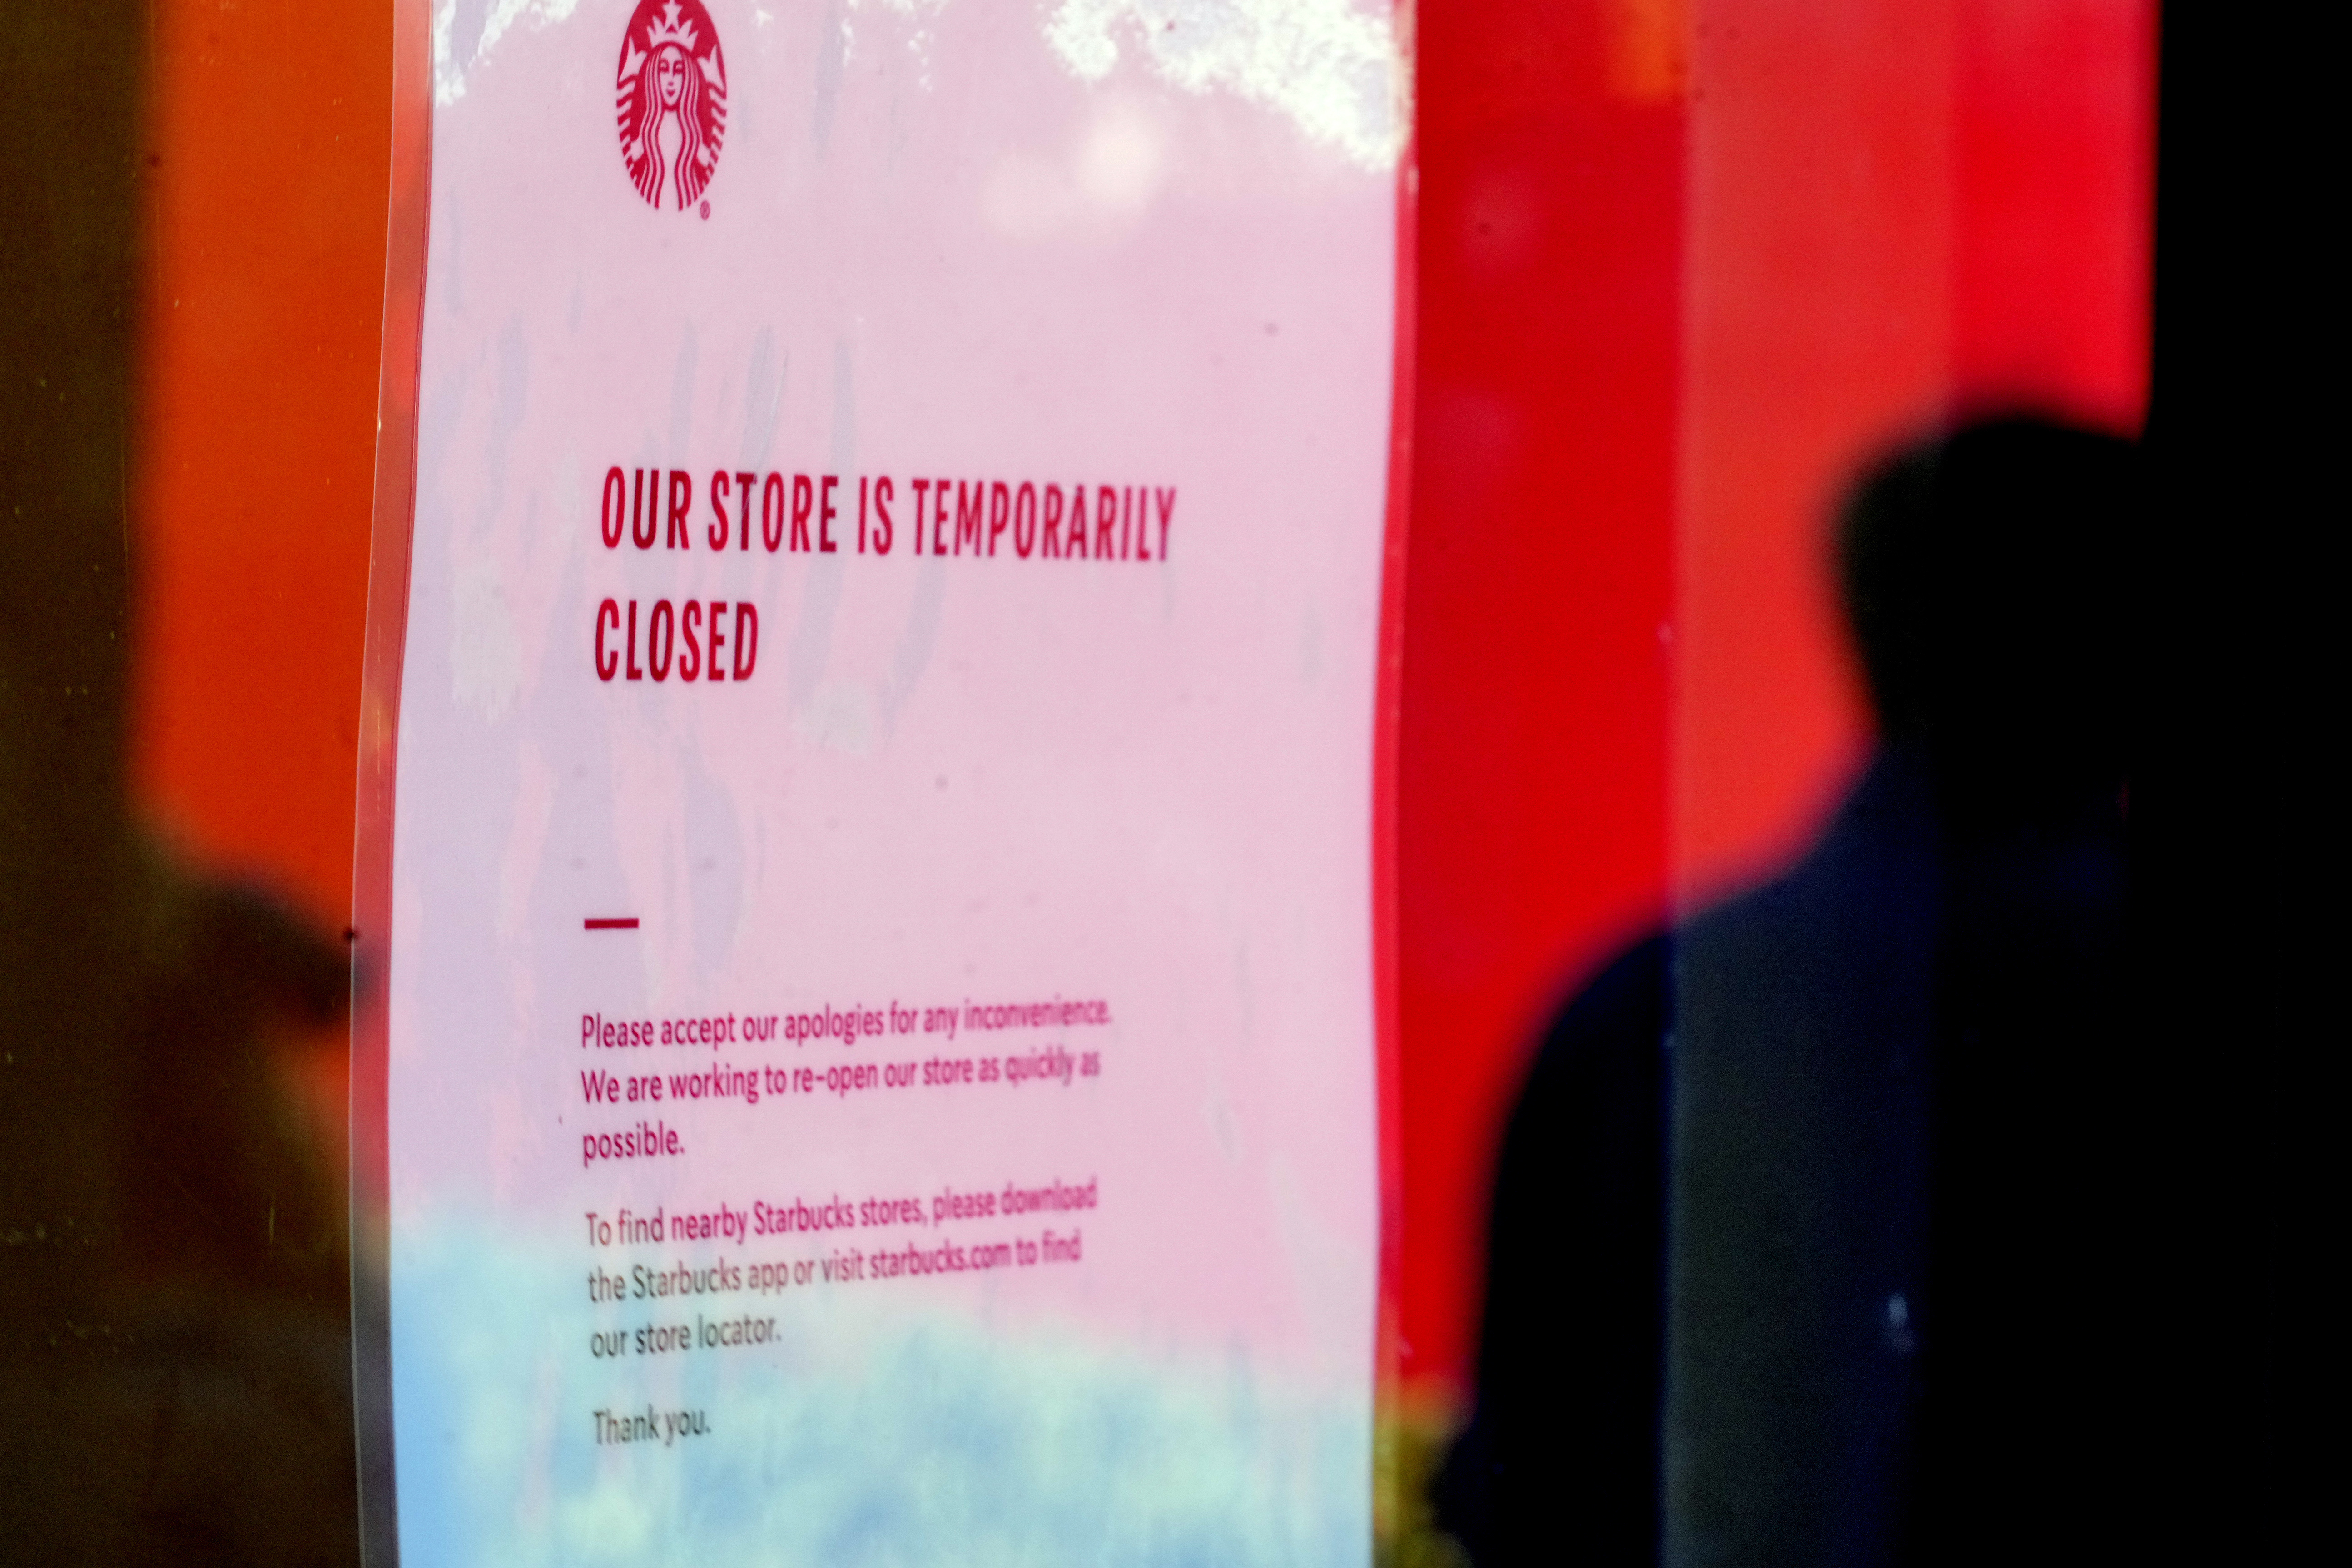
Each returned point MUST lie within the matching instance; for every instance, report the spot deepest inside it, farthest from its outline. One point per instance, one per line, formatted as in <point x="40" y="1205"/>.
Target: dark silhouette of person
<point x="1805" y="1241"/>
<point x="175" y="1320"/>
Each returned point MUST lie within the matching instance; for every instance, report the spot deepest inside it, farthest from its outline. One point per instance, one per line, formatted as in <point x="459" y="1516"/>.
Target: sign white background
<point x="934" y="249"/>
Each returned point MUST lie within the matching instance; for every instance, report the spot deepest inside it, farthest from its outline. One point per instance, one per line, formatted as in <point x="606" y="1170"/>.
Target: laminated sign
<point x="869" y="901"/>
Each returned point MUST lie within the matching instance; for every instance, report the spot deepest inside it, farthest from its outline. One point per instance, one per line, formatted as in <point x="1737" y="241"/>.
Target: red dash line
<point x="625" y="922"/>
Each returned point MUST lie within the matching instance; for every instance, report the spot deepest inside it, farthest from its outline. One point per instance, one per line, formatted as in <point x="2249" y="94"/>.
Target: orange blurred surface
<point x="268" y="150"/>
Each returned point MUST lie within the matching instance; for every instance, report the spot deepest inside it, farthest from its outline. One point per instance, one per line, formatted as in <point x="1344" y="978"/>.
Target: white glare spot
<point x="1330" y="65"/>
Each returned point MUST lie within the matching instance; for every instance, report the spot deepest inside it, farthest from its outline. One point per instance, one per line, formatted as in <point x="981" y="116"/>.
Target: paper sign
<point x="879" y="1057"/>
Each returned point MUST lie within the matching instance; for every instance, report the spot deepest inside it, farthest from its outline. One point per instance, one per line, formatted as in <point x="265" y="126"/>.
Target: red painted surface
<point x="1681" y="261"/>
<point x="1895" y="211"/>
<point x="1683" y="264"/>
<point x="2054" y="178"/>
<point x="1533" y="760"/>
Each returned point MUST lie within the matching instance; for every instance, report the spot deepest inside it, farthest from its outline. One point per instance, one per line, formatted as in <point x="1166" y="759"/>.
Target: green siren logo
<point x="671" y="100"/>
